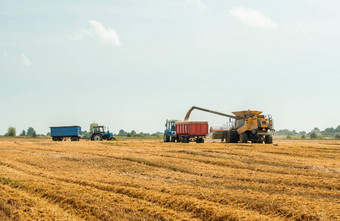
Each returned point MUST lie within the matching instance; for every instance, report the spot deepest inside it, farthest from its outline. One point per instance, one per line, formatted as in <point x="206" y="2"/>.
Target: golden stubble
<point x="151" y="180"/>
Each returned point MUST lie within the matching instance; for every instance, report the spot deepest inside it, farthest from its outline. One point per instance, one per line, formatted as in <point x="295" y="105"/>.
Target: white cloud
<point x="253" y="18"/>
<point x="198" y="4"/>
<point x="5" y="54"/>
<point x="25" y="60"/>
<point x="97" y="31"/>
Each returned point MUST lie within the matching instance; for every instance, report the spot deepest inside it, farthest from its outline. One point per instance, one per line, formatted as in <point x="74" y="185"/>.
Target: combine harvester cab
<point x="64" y="132"/>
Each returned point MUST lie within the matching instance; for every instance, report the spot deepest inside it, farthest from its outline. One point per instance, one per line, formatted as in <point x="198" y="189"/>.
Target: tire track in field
<point x="292" y="169"/>
<point x="244" y="185"/>
<point x="187" y="204"/>
<point x="224" y="164"/>
<point x="77" y="205"/>
<point x="247" y="180"/>
<point x="261" y="153"/>
<point x="59" y="198"/>
<point x="35" y="206"/>
<point x="288" y="181"/>
<point x="131" y="192"/>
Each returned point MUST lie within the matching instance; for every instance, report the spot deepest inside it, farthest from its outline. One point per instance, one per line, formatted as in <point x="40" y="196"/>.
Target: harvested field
<point x="152" y="180"/>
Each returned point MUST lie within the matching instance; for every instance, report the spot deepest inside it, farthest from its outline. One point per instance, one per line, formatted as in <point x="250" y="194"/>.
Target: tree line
<point x="11" y="132"/>
<point x="30" y="132"/>
<point x="313" y="134"/>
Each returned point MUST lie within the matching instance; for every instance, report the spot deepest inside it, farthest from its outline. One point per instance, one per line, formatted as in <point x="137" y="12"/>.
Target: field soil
<point x="151" y="180"/>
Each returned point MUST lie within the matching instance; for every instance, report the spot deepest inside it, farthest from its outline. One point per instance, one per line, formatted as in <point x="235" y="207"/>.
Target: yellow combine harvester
<point x="247" y="126"/>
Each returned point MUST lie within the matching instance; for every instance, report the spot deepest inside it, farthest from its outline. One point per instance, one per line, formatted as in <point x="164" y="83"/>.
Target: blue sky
<point x="133" y="64"/>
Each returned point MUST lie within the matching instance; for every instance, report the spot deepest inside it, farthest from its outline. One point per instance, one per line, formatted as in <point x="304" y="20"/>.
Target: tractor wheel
<point x="97" y="137"/>
<point x="243" y="138"/>
<point x="170" y="138"/>
<point x="166" y="138"/>
<point x="268" y="139"/>
<point x="55" y="138"/>
<point x="233" y="136"/>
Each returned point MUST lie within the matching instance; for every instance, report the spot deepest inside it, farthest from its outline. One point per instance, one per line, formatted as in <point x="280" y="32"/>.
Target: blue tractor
<point x="100" y="134"/>
<point x="170" y="131"/>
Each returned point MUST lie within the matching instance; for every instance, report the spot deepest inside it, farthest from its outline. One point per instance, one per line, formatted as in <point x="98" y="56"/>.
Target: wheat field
<point x="151" y="180"/>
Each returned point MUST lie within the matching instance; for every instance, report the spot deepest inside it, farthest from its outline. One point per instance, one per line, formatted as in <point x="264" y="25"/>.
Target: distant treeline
<point x="12" y="132"/>
<point x="123" y="133"/>
<point x="314" y="134"/>
<point x="30" y="132"/>
<point x="133" y="133"/>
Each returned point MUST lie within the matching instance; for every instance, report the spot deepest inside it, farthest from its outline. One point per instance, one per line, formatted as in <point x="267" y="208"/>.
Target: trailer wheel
<point x="184" y="140"/>
<point x="58" y="138"/>
<point x="199" y="140"/>
<point x="268" y="139"/>
<point x="233" y="136"/>
<point x="74" y="138"/>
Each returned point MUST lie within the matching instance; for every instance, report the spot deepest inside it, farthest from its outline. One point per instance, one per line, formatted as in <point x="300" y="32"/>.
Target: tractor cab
<point x="98" y="129"/>
<point x="170" y="125"/>
<point x="100" y="134"/>
<point x="170" y="131"/>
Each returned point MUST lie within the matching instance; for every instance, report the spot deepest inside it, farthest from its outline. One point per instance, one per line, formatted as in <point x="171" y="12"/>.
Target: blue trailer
<point x="61" y="133"/>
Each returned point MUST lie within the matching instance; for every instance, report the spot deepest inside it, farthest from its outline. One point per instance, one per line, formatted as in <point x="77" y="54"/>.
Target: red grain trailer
<point x="191" y="131"/>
